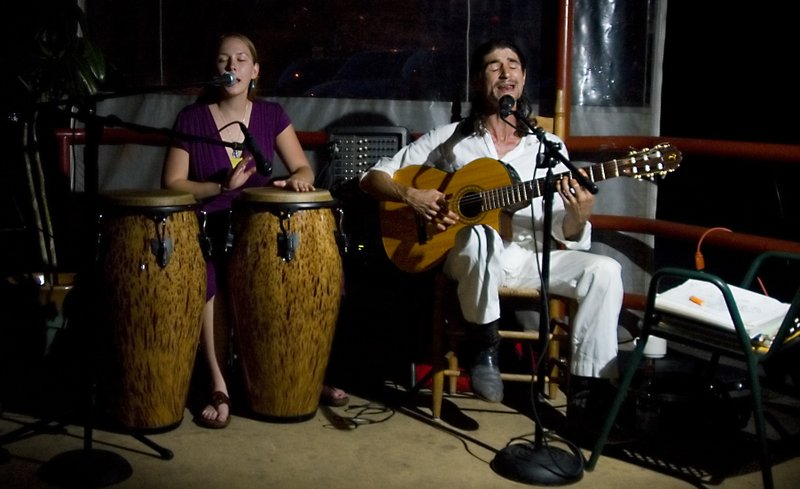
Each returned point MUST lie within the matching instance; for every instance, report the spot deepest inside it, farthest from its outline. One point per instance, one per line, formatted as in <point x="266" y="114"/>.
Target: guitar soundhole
<point x="469" y="205"/>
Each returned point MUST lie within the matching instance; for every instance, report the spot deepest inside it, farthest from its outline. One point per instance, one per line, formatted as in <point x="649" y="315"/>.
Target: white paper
<point x="760" y="314"/>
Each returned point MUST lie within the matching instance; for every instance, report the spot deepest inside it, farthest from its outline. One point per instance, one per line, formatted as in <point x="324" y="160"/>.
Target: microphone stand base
<point x="541" y="466"/>
<point x="85" y="468"/>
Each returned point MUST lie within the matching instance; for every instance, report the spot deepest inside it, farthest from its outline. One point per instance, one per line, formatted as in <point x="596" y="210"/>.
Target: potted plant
<point x="59" y="69"/>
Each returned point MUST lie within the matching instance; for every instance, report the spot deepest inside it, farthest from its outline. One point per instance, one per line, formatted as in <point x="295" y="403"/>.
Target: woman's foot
<point x="333" y="396"/>
<point x="216" y="414"/>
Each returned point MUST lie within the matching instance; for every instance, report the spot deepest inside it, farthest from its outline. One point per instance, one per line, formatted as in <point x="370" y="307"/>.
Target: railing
<point x="583" y="145"/>
<point x="743" y="242"/>
<point x="114" y="135"/>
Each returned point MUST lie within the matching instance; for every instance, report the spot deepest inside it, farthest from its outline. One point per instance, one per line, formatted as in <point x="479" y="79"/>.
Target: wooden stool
<point x="447" y="328"/>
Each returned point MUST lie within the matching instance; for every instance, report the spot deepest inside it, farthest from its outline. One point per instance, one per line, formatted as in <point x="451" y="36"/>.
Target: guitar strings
<point x="521" y="190"/>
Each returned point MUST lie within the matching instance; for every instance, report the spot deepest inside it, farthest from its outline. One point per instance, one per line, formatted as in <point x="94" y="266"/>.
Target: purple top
<point x="210" y="162"/>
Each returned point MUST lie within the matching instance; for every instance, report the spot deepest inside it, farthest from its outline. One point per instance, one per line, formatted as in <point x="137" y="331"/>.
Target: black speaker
<point x="355" y="149"/>
<point x="352" y="151"/>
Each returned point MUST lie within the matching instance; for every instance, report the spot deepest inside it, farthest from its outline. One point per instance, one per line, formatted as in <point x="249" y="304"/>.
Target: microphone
<point x="506" y="104"/>
<point x="227" y="79"/>
<point x="263" y="165"/>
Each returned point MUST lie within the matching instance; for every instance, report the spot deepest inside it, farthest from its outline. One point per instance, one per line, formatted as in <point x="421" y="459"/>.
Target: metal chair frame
<point x="736" y="344"/>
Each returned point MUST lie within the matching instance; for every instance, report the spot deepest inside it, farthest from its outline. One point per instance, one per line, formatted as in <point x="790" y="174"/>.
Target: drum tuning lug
<point x="343" y="240"/>
<point x="162" y="250"/>
<point x="229" y="236"/>
<point x="287" y="244"/>
<point x="203" y="238"/>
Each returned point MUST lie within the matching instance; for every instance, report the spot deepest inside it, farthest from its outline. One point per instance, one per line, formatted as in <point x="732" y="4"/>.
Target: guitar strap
<point x="446" y="159"/>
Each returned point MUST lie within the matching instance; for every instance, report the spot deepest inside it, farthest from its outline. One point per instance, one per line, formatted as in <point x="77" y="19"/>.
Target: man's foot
<point x="485" y="372"/>
<point x="217" y="414"/>
<point x="333" y="396"/>
<point x="486" y="381"/>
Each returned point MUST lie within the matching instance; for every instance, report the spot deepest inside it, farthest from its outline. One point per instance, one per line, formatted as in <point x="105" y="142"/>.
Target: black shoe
<point x="485" y="372"/>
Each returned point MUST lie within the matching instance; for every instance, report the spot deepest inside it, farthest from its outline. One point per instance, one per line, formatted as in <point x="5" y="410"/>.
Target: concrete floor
<point x="383" y="440"/>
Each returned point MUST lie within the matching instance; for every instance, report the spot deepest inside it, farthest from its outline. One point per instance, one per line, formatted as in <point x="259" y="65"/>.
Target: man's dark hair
<point x="476" y="63"/>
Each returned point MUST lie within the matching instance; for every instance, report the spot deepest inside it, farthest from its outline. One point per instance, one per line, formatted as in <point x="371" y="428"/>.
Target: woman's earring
<point x="253" y="84"/>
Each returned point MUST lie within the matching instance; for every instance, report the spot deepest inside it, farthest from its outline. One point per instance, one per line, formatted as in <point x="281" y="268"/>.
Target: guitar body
<point x="413" y="244"/>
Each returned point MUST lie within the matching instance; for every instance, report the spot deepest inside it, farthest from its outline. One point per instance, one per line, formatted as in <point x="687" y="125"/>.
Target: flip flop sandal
<point x="329" y="398"/>
<point x="217" y="399"/>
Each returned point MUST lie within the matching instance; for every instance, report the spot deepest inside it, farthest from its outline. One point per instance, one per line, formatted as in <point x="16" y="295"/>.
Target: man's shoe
<point x="485" y="371"/>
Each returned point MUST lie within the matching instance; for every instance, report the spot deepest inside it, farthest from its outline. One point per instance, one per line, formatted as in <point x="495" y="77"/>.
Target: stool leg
<point x="452" y="364"/>
<point x="553" y="352"/>
<point x="557" y="316"/>
<point x="437" y="393"/>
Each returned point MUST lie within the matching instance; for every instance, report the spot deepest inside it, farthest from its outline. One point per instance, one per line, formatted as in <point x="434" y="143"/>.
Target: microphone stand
<point x="539" y="463"/>
<point x="87" y="466"/>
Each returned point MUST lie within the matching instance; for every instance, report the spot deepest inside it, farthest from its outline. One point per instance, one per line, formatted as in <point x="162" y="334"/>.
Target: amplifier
<point x="353" y="150"/>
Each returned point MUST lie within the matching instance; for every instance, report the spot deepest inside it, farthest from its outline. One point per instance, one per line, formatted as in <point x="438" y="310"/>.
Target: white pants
<point x="480" y="263"/>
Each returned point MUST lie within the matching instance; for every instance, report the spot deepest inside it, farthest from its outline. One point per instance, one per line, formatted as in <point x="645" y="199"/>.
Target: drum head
<point x="279" y="195"/>
<point x="147" y="198"/>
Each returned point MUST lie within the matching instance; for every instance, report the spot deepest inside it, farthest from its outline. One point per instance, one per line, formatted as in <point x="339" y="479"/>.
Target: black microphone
<point x="227" y="79"/>
<point x="263" y="165"/>
<point x="506" y="104"/>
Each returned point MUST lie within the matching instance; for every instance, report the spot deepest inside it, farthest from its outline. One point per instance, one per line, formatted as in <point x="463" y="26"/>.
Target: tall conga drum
<point x="285" y="281"/>
<point x="152" y="284"/>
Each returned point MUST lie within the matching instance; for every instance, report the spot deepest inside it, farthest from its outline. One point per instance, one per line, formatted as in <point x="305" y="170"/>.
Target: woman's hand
<point x="238" y="175"/>
<point x="294" y="183"/>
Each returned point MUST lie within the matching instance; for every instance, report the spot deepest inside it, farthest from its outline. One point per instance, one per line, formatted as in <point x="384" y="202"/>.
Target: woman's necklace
<point x="236" y="151"/>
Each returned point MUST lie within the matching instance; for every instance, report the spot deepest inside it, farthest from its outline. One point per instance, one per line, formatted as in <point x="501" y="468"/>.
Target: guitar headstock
<point x="651" y="162"/>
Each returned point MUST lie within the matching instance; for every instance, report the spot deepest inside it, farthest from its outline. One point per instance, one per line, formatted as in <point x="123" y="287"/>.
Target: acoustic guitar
<point x="478" y="193"/>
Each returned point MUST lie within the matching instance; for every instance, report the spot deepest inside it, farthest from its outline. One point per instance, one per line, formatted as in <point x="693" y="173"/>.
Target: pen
<point x="696" y="300"/>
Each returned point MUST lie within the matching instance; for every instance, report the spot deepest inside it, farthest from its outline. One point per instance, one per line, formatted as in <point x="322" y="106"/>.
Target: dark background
<point x="727" y="75"/>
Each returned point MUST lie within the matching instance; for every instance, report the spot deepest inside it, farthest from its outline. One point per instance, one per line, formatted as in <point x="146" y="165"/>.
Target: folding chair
<point x="736" y="343"/>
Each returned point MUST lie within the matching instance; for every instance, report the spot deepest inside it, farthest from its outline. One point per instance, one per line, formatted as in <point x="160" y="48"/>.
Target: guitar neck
<point x="520" y="192"/>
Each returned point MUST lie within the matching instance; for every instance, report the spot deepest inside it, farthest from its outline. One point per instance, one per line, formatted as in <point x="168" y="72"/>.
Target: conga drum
<point x="152" y="282"/>
<point x="285" y="283"/>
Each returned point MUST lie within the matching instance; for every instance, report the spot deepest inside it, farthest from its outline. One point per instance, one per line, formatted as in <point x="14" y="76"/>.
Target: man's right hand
<point x="432" y="205"/>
